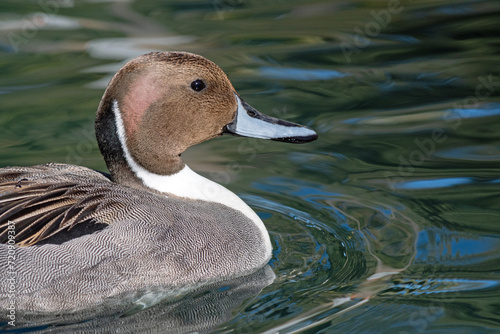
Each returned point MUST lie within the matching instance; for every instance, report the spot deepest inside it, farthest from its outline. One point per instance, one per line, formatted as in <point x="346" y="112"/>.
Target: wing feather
<point x="46" y="200"/>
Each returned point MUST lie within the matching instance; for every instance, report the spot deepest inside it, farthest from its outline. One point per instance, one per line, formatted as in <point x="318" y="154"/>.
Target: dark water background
<point x="388" y="223"/>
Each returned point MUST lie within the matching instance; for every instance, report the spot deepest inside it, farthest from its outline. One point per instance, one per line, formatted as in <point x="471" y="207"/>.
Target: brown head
<point x="161" y="103"/>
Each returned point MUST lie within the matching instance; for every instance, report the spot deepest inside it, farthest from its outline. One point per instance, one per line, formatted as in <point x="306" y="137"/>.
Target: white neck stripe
<point x="187" y="183"/>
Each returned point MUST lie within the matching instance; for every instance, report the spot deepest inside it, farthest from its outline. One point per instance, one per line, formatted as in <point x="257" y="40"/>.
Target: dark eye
<point x="198" y="85"/>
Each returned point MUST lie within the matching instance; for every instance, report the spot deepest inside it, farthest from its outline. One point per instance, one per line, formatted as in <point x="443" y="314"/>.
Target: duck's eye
<point x="198" y="85"/>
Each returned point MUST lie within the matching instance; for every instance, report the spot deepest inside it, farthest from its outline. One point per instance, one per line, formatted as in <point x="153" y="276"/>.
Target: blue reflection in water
<point x="443" y="286"/>
<point x="443" y="245"/>
<point x="490" y="109"/>
<point x="264" y="215"/>
<point x="300" y="74"/>
<point x="473" y="153"/>
<point x="437" y="183"/>
<point x="486" y="110"/>
<point x="308" y="191"/>
<point x="356" y="120"/>
<point x="276" y="252"/>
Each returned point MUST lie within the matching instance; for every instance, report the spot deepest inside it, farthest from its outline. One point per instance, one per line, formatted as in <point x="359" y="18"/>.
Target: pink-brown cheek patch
<point x="142" y="92"/>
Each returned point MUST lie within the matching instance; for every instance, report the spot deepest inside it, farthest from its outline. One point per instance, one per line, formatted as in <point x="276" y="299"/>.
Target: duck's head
<point x="161" y="103"/>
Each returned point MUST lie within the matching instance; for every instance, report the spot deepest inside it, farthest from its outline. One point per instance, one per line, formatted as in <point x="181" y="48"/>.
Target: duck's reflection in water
<point x="155" y="310"/>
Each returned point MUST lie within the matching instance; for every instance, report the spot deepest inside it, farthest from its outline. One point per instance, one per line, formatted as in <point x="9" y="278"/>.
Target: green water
<point x="388" y="223"/>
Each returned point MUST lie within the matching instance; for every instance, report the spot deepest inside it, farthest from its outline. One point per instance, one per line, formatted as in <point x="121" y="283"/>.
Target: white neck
<point x="188" y="184"/>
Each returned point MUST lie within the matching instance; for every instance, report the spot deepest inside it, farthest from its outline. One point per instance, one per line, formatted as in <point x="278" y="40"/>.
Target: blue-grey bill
<point x="251" y="123"/>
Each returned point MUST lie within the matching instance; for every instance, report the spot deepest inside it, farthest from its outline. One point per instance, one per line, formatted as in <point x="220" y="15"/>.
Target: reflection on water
<point x="389" y="222"/>
<point x="197" y="311"/>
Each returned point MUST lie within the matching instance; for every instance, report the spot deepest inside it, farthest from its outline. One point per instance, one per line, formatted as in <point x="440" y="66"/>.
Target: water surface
<point x="389" y="222"/>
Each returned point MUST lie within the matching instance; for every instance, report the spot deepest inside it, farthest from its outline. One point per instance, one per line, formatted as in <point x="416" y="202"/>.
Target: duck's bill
<point x="251" y="123"/>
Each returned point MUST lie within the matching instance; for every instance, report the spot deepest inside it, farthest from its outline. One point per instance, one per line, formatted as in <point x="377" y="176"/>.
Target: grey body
<point x="147" y="240"/>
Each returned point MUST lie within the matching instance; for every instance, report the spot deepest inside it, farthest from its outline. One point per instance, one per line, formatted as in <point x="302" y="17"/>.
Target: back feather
<point x="42" y="201"/>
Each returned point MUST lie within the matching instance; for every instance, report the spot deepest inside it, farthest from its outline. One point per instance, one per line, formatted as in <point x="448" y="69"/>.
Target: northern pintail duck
<point x="72" y="237"/>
